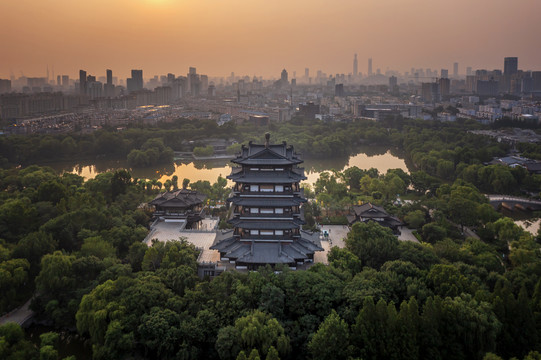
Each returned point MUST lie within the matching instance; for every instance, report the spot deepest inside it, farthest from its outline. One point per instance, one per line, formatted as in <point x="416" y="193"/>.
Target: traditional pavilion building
<point x="267" y="212"/>
<point x="369" y="212"/>
<point x="180" y="206"/>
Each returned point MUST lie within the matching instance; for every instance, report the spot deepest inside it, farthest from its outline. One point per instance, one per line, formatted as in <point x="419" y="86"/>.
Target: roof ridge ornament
<point x="267" y="139"/>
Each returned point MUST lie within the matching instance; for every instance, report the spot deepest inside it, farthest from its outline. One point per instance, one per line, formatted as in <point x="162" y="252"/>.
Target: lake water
<point x="381" y="159"/>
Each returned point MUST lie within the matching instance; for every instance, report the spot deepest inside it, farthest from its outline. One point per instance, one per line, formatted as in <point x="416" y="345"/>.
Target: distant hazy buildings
<point x="135" y="83"/>
<point x="430" y="92"/>
<point x="82" y="82"/>
<point x="355" y="66"/>
<point x="370" y="67"/>
<point x="5" y="86"/>
<point x="393" y="85"/>
<point x="510" y="65"/>
<point x="284" y="78"/>
<point x="444" y="87"/>
<point x="109" y="88"/>
<point x="309" y="110"/>
<point x="339" y="90"/>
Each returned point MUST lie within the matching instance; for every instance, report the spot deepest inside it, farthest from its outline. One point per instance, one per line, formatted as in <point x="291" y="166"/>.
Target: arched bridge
<point x="514" y="202"/>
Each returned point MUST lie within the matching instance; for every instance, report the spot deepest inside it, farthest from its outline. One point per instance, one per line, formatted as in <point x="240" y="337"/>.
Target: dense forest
<point x="147" y="145"/>
<point x="76" y="248"/>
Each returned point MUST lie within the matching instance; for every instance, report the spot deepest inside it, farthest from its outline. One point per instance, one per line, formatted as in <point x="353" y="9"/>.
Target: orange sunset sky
<point x="260" y="37"/>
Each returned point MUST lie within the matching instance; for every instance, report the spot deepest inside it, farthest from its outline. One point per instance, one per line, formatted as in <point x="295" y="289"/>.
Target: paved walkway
<point x="19" y="316"/>
<point x="320" y="257"/>
<point x="406" y="235"/>
<point x="337" y="234"/>
<point x="470" y="233"/>
<point x="202" y="239"/>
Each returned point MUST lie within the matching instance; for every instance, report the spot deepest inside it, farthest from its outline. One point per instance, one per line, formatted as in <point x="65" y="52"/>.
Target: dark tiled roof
<point x="178" y="199"/>
<point x="267" y="252"/>
<point x="368" y="211"/>
<point x="533" y="166"/>
<point x="266" y="224"/>
<point x="310" y="240"/>
<point x="261" y="202"/>
<point x="279" y="154"/>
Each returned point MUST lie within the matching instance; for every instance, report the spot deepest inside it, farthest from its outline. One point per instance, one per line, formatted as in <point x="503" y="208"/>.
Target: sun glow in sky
<point x="262" y="37"/>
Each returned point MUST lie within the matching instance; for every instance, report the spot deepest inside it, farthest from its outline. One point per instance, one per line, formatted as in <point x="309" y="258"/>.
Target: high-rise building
<point x="469" y="71"/>
<point x="510" y="68"/>
<point x="204" y="83"/>
<point x="109" y="77"/>
<point x="445" y="86"/>
<point x="306" y="73"/>
<point x="393" y="85"/>
<point x="444" y="73"/>
<point x="82" y="82"/>
<point x="65" y="81"/>
<point x="430" y="92"/>
<point x="369" y="66"/>
<point x="339" y="90"/>
<point x="5" y="86"/>
<point x="536" y="76"/>
<point x="211" y="92"/>
<point x="455" y="70"/>
<point x="108" y="87"/>
<point x="283" y="78"/>
<point x="487" y="87"/>
<point x="135" y="83"/>
<point x="137" y="76"/>
<point x="510" y="65"/>
<point x="194" y="82"/>
<point x="355" y="65"/>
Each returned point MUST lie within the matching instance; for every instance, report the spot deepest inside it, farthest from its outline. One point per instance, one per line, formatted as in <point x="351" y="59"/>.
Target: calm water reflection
<point x="381" y="159"/>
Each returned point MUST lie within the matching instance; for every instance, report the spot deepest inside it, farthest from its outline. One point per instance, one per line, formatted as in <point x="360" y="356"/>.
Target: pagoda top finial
<point x="267" y="139"/>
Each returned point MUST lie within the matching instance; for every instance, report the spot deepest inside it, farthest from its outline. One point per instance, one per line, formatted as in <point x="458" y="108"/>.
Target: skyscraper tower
<point x="82" y="82"/>
<point x="444" y="73"/>
<point x="137" y="76"/>
<point x="109" y="77"/>
<point x="510" y="65"/>
<point x="455" y="69"/>
<point x="283" y="77"/>
<point x="369" y="66"/>
<point x="355" y="66"/>
<point x="109" y="88"/>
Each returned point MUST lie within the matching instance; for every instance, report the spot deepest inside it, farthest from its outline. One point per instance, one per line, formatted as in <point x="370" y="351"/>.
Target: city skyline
<point x="261" y="39"/>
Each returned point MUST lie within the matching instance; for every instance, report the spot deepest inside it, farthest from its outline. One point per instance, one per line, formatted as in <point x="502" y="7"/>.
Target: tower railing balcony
<point x="267" y="193"/>
<point x="268" y="238"/>
<point x="249" y="216"/>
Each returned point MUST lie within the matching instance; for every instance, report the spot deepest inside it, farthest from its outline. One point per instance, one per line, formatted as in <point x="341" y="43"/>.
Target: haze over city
<point x="262" y="37"/>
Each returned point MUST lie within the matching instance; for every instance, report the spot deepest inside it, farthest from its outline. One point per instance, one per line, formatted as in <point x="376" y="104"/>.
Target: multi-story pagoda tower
<point x="267" y="212"/>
